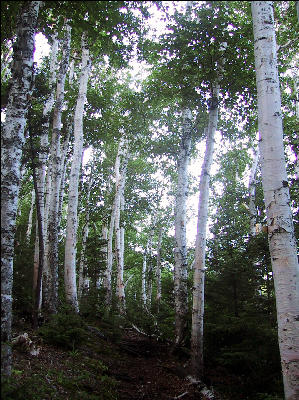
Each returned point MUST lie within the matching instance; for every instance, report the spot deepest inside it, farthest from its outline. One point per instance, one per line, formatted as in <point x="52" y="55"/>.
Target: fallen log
<point x="25" y="344"/>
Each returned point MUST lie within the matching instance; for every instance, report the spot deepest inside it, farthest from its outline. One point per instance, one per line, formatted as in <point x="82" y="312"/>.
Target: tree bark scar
<point x="261" y="38"/>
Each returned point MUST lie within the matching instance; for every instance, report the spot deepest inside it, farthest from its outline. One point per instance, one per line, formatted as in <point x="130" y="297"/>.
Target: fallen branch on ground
<point x="180" y="396"/>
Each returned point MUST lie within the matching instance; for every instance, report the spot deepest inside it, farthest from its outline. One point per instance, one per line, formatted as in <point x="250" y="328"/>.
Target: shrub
<point x="65" y="330"/>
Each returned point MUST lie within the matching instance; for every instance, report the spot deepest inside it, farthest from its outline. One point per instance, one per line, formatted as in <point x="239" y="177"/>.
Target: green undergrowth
<point x="66" y="330"/>
<point x="90" y="383"/>
<point x="73" y="363"/>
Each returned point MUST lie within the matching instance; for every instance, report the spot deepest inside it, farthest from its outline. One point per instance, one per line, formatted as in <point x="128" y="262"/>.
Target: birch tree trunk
<point x="181" y="263"/>
<point x="103" y="253"/>
<point x="63" y="167"/>
<point x="149" y="272"/>
<point x="281" y="237"/>
<point x="51" y="247"/>
<point x="43" y="157"/>
<point x="252" y="184"/>
<point x="39" y="223"/>
<point x="112" y="224"/>
<point x="108" y="273"/>
<point x="143" y="280"/>
<point x="296" y="92"/>
<point x="84" y="240"/>
<point x="12" y="141"/>
<point x="29" y="229"/>
<point x="72" y="217"/>
<point x="119" y="228"/>
<point x="197" y="362"/>
<point x="158" y="270"/>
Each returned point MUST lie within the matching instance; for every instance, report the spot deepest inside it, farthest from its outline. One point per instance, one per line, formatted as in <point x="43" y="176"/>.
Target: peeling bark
<point x="282" y="244"/>
<point x="12" y="140"/>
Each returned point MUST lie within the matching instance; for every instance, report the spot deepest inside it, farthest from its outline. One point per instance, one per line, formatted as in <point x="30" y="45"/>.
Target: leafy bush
<point x="66" y="330"/>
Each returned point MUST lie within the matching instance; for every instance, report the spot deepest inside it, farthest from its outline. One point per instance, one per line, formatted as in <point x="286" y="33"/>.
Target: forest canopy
<point x="149" y="182"/>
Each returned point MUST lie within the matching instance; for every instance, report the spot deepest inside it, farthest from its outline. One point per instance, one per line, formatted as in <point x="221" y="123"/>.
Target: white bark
<point x="149" y="272"/>
<point x="158" y="270"/>
<point x="84" y="240"/>
<point x="143" y="280"/>
<point x="114" y="213"/>
<point x="12" y="140"/>
<point x="296" y="92"/>
<point x="252" y="184"/>
<point x="108" y="272"/>
<point x="50" y="287"/>
<point x="120" y="173"/>
<point x="103" y="254"/>
<point x="72" y="217"/>
<point x="29" y="229"/>
<point x="200" y="244"/>
<point x="281" y="238"/>
<point x="35" y="268"/>
<point x="44" y="139"/>
<point x="181" y="263"/>
<point x="63" y="167"/>
<point x="43" y="156"/>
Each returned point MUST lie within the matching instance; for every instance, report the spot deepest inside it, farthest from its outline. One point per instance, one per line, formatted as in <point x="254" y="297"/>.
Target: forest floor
<point x="108" y="365"/>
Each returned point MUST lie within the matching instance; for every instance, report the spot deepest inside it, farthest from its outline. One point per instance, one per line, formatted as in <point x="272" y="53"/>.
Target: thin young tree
<point x="72" y="216"/>
<point x="12" y="140"/>
<point x="119" y="228"/>
<point x="251" y="189"/>
<point x="82" y="264"/>
<point x="181" y="262"/>
<point x="43" y="157"/>
<point x="158" y="268"/>
<point x="107" y="283"/>
<point x="197" y="361"/>
<point x="50" y="286"/>
<point x="281" y="238"/>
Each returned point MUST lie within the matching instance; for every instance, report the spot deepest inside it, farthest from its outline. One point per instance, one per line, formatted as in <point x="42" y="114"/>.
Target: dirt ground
<point x="133" y="367"/>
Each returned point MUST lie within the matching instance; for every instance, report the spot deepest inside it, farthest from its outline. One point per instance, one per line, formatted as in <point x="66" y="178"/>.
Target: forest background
<point x="107" y="238"/>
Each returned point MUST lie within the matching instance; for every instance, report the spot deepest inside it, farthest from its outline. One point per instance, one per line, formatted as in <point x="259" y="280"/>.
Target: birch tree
<point x="197" y="361"/>
<point x="282" y="244"/>
<point x="119" y="228"/>
<point x="72" y="217"/>
<point x="114" y="212"/>
<point x="51" y="246"/>
<point x="158" y="269"/>
<point x="29" y="229"/>
<point x="84" y="240"/>
<point x="149" y="262"/>
<point x="12" y="140"/>
<point x="251" y="188"/>
<point x="43" y="156"/>
<point x="200" y="244"/>
<point x="181" y="263"/>
<point x="143" y="280"/>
